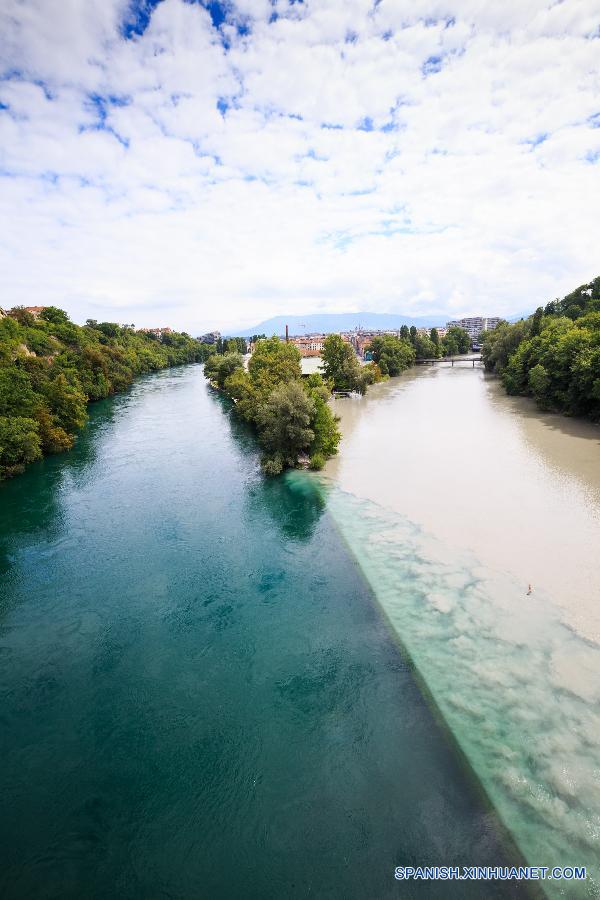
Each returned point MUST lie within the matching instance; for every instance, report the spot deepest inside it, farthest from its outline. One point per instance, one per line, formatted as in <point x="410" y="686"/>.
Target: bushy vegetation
<point x="392" y="354"/>
<point x="455" y="341"/>
<point x="50" y="368"/>
<point x="554" y="355"/>
<point x="230" y="345"/>
<point x="342" y="368"/>
<point x="290" y="414"/>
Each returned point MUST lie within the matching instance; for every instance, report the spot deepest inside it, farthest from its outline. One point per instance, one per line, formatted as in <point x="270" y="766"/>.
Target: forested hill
<point x="50" y="368"/>
<point x="554" y="355"/>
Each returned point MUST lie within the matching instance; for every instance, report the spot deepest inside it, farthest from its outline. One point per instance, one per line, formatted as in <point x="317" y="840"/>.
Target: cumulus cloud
<point x="169" y="161"/>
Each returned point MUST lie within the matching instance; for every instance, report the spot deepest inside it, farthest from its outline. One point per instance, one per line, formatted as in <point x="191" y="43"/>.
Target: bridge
<point x="451" y="360"/>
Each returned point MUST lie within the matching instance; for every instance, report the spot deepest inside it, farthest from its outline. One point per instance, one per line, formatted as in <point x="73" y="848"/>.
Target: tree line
<point x="51" y="368"/>
<point x="391" y="355"/>
<point x="554" y="355"/>
<point x="290" y="414"/>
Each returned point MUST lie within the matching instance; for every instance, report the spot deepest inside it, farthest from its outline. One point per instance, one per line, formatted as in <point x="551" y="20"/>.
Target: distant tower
<point x="287" y="334"/>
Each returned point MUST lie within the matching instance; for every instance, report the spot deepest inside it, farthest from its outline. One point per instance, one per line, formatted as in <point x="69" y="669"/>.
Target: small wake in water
<point x="517" y="688"/>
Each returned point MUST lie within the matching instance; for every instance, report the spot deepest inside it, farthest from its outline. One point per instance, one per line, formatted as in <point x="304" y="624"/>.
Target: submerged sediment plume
<point x="516" y="687"/>
<point x="515" y="674"/>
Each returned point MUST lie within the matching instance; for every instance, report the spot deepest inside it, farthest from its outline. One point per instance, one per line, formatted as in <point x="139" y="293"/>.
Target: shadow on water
<point x="527" y="409"/>
<point x="31" y="503"/>
<point x="293" y="501"/>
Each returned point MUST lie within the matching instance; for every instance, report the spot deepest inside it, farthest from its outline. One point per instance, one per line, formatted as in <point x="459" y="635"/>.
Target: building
<point x="34" y="310"/>
<point x="475" y="325"/>
<point x="210" y="338"/>
<point x="157" y="332"/>
<point x="361" y="342"/>
<point x="308" y="344"/>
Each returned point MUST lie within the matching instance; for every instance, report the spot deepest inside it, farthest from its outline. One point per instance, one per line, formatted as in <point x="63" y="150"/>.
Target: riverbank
<point x="51" y="369"/>
<point x="450" y="496"/>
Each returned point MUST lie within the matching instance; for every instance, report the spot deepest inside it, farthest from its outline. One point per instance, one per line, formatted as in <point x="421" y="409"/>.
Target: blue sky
<point x="213" y="164"/>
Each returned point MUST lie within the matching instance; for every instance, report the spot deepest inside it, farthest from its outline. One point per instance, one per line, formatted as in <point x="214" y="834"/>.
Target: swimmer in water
<point x="529" y="589"/>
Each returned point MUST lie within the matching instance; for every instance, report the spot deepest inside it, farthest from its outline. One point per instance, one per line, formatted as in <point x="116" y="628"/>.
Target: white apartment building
<point x="475" y="324"/>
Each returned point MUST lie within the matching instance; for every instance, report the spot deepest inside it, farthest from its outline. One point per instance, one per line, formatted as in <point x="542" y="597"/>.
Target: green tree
<point x="219" y="368"/>
<point x="498" y="344"/>
<point x="285" y="426"/>
<point x="456" y="341"/>
<point x="341" y="366"/>
<point x="274" y="362"/>
<point x="393" y="355"/>
<point x="22" y="316"/>
<point x="554" y="355"/>
<point x="19" y="444"/>
<point x="50" y="368"/>
<point x="323" y="423"/>
<point x="55" y="315"/>
<point x="539" y="384"/>
<point x="17" y="397"/>
<point x="66" y="402"/>
<point x="425" y="348"/>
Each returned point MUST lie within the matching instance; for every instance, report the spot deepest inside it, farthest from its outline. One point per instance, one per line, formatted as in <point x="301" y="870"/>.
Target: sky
<point x="202" y="165"/>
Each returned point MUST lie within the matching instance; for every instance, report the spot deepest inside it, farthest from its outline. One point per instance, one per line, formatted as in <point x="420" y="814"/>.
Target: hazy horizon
<point x="210" y="165"/>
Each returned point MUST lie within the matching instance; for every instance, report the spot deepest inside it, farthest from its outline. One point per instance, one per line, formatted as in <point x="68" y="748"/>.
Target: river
<point x="455" y="499"/>
<point x="200" y="696"/>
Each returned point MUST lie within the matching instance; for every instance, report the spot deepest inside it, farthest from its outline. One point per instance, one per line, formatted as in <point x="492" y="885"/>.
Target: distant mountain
<point x="322" y="323"/>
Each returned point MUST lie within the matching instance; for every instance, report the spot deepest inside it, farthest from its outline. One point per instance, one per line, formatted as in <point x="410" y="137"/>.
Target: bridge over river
<point x="450" y="360"/>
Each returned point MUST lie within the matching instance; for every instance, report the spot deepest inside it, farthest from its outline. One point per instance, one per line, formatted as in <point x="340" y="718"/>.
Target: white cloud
<point x="417" y="157"/>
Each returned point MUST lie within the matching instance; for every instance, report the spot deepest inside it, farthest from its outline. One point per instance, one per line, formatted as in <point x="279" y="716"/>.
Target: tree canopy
<point x="290" y="414"/>
<point x="392" y="354"/>
<point x="554" y="355"/>
<point x="50" y="368"/>
<point x="455" y="341"/>
<point x="342" y="368"/>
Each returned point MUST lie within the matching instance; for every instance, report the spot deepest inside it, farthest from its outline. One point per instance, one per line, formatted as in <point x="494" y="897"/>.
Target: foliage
<point x="455" y="341"/>
<point x="20" y="444"/>
<point x="316" y="461"/>
<point x="554" y="355"/>
<point x="341" y="366"/>
<point x="51" y="368"/>
<point x="291" y="415"/>
<point x="285" y="423"/>
<point x="231" y="345"/>
<point x="219" y="368"/>
<point x="425" y="347"/>
<point x="323" y="422"/>
<point x="392" y="354"/>
<point x="500" y="343"/>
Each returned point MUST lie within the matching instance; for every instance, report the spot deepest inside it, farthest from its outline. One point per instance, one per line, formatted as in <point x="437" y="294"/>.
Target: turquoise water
<point x="199" y="695"/>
